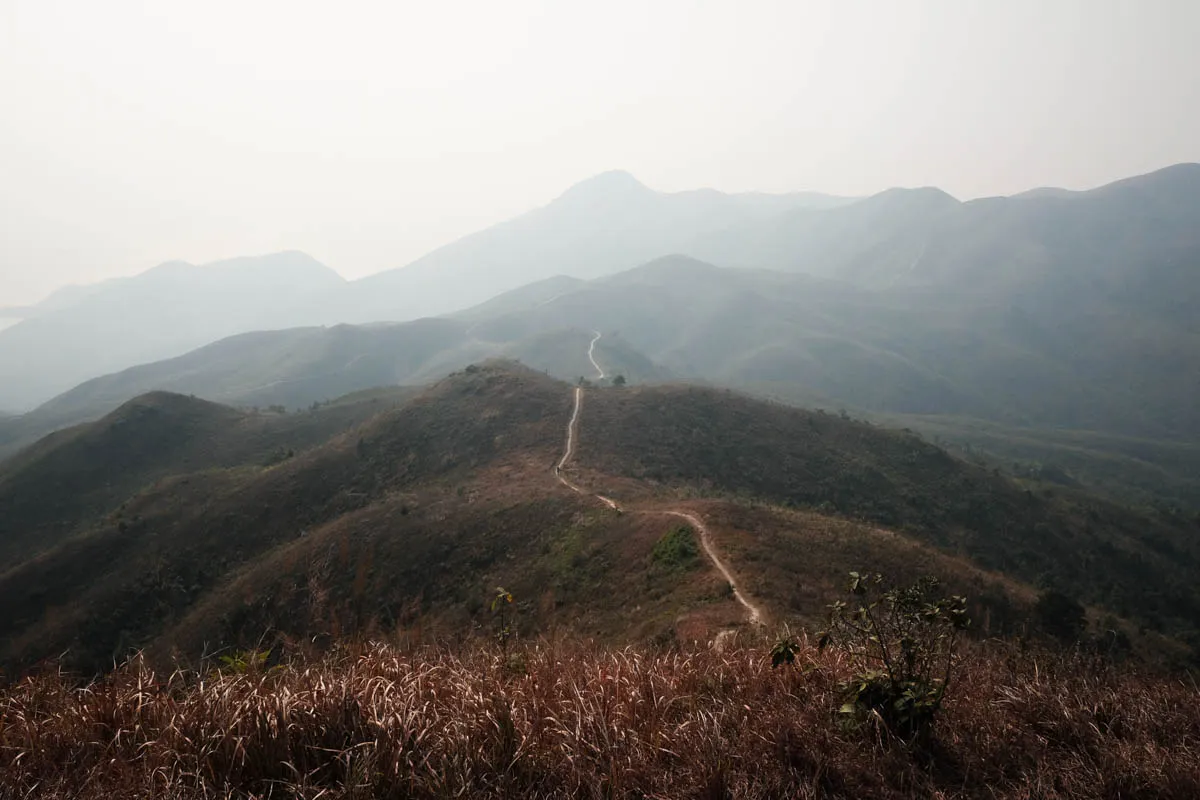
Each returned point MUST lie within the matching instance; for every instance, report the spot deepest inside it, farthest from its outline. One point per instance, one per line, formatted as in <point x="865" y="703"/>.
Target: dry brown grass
<point x="572" y="720"/>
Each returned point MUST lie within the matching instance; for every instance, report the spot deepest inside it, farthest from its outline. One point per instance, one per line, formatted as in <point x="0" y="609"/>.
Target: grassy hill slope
<point x="69" y="478"/>
<point x="711" y="441"/>
<point x="298" y="367"/>
<point x="414" y="517"/>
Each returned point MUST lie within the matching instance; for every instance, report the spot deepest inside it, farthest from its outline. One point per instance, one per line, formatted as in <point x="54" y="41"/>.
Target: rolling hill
<point x="411" y="518"/>
<point x="298" y="367"/>
<point x="1071" y="393"/>
<point x="1067" y="384"/>
<point x="68" y="478"/>
<point x="1051" y="329"/>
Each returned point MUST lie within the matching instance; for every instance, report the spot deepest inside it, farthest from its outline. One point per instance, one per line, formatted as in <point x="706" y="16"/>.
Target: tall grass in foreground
<point x="572" y="720"/>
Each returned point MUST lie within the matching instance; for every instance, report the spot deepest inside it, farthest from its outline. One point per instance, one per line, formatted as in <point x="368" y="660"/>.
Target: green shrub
<point x="784" y="651"/>
<point x="241" y="662"/>
<point x="676" y="550"/>
<point x="901" y="643"/>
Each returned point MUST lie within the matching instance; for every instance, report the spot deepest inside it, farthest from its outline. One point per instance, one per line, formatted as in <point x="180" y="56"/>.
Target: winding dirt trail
<point x="570" y="449"/>
<point x="755" y="615"/>
<point x="592" y="357"/>
<point x="572" y="427"/>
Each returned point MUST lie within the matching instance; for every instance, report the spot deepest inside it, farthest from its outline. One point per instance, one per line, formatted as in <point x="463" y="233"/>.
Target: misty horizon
<point x="494" y="399"/>
<point x="371" y="136"/>
<point x="12" y="318"/>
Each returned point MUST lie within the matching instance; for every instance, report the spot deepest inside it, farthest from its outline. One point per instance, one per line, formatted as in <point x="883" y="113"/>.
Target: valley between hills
<point x="369" y="432"/>
<point x="309" y="619"/>
<point x="498" y="475"/>
<point x="622" y="502"/>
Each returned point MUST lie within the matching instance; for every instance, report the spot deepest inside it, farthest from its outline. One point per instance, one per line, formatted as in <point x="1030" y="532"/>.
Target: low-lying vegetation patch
<point x="578" y="721"/>
<point x="677" y="550"/>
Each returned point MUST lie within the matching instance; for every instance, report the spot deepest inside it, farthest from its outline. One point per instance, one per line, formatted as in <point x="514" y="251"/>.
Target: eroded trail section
<point x="756" y="617"/>
<point x="569" y="450"/>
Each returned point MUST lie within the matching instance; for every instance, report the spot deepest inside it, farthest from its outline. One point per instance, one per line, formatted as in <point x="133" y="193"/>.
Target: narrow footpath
<point x="592" y="356"/>
<point x="755" y="615"/>
<point x="569" y="450"/>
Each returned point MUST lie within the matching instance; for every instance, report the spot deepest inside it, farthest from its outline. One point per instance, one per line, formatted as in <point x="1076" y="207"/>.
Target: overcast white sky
<point x="368" y="133"/>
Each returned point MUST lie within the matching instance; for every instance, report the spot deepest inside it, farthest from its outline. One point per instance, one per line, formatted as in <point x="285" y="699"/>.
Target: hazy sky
<point x="368" y="133"/>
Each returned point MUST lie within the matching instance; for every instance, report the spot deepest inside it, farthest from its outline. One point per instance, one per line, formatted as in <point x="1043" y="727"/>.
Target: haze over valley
<point x="1067" y="313"/>
<point x="530" y="400"/>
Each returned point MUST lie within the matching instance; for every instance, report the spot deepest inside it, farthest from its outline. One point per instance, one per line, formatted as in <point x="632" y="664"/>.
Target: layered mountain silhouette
<point x="603" y="225"/>
<point x="1054" y="329"/>
<point x="84" y="332"/>
<point x="1117" y="369"/>
<point x="295" y="368"/>
<point x="1083" y="257"/>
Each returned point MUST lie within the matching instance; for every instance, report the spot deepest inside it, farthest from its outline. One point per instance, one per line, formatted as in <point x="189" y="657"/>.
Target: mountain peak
<point x="612" y="183"/>
<point x="283" y="265"/>
<point x="924" y="194"/>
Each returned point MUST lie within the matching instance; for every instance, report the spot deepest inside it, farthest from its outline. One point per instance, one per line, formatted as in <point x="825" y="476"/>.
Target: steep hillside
<point x="167" y="547"/>
<point x="412" y="519"/>
<point x="70" y="478"/>
<point x="298" y="367"/>
<point x="712" y="441"/>
<point x="913" y="351"/>
<point x="1141" y="231"/>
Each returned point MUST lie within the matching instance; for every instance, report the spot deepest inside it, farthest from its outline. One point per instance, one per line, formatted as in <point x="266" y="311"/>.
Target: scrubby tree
<point x="1060" y="616"/>
<point x="503" y="616"/>
<point x="901" y="642"/>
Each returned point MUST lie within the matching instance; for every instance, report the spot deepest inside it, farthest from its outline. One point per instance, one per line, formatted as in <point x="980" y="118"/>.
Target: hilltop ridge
<point x="416" y="511"/>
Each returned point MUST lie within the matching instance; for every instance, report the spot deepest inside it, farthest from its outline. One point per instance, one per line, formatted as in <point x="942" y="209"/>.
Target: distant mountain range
<point x="1051" y="328"/>
<point x="601" y="226"/>
<point x="1082" y="257"/>
<point x="83" y="332"/>
<point x="989" y="369"/>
